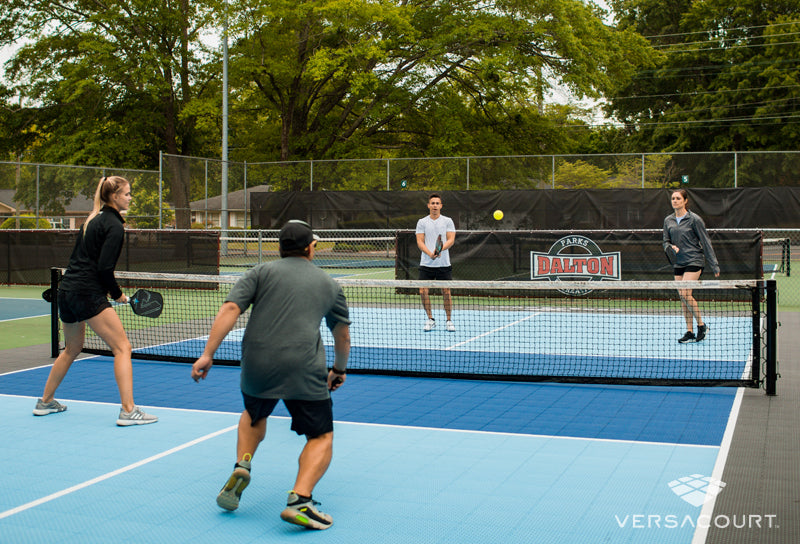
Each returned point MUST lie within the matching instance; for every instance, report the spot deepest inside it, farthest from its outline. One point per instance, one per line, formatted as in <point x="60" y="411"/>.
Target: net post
<point x="772" y="338"/>
<point x="755" y="314"/>
<point x="55" y="276"/>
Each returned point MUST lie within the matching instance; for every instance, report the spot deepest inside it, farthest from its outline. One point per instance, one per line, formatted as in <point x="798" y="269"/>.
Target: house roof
<point x="82" y="205"/>
<point x="236" y="199"/>
<point x="78" y="205"/>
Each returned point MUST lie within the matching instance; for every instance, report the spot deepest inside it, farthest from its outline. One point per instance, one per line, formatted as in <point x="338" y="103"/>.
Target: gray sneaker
<point x="231" y="492"/>
<point x="304" y="512"/>
<point x="135" y="417"/>
<point x="44" y="408"/>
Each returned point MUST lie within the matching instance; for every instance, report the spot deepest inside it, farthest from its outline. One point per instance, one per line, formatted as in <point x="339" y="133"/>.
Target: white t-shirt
<point x="432" y="230"/>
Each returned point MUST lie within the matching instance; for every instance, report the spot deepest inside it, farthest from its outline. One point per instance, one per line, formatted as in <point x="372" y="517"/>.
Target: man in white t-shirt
<point x="436" y="230"/>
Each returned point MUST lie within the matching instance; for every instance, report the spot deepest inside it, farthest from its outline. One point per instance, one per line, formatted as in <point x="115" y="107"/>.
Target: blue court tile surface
<point x="647" y="414"/>
<point x="415" y="461"/>
<point x="77" y="478"/>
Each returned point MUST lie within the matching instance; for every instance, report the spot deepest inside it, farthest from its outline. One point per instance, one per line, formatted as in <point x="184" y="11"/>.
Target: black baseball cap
<point x="296" y="234"/>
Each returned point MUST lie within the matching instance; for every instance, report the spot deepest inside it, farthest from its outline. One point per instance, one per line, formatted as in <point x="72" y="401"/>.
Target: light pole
<point x="223" y="217"/>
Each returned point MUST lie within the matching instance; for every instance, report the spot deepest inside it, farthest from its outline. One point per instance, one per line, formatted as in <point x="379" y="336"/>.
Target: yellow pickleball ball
<point x="498" y="214"/>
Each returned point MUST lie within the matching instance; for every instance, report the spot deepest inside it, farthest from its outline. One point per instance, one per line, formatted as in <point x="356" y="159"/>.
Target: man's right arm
<point x="341" y="347"/>
<point x="223" y="323"/>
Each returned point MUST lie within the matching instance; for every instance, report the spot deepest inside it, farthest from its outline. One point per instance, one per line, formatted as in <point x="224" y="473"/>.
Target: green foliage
<point x="333" y="79"/>
<point x="579" y="175"/>
<point x="726" y="78"/>
<point x="144" y="211"/>
<point x="109" y="81"/>
<point x="116" y="83"/>
<point x="26" y="222"/>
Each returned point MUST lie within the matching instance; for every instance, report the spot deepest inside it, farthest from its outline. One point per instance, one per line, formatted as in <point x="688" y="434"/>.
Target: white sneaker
<point x="137" y="416"/>
<point x="450" y="326"/>
<point x="429" y="325"/>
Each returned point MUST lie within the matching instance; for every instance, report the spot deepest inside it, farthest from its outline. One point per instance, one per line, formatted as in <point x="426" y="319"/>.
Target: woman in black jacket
<point x="83" y="298"/>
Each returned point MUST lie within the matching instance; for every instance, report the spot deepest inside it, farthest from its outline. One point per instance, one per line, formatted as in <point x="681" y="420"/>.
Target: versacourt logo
<point x="696" y="489"/>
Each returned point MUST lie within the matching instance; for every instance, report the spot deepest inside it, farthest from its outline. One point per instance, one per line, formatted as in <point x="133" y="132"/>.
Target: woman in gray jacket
<point x="685" y="234"/>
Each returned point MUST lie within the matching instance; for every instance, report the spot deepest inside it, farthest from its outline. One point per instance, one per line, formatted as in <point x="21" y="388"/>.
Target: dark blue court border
<point x="679" y="415"/>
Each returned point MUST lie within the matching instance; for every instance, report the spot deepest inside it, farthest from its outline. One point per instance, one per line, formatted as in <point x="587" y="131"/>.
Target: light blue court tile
<point x="19" y="533"/>
<point x="83" y="443"/>
<point x="424" y="485"/>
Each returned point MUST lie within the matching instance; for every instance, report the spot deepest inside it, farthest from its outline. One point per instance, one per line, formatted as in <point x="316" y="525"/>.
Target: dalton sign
<point x="575" y="258"/>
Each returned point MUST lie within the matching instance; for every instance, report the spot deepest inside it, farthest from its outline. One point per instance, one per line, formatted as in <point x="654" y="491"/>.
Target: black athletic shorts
<point x="312" y="418"/>
<point x="682" y="270"/>
<point x="436" y="273"/>
<point x="75" y="307"/>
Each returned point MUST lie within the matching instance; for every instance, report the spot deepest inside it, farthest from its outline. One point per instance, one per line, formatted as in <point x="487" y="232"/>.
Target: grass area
<point x="25" y="332"/>
<point x="788" y="292"/>
<point x="22" y="291"/>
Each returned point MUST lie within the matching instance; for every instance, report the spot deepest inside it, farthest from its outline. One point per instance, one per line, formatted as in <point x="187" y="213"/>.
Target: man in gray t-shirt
<point x="283" y="359"/>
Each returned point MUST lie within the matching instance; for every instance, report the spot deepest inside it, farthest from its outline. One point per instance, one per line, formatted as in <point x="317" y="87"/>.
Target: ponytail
<point x="108" y="186"/>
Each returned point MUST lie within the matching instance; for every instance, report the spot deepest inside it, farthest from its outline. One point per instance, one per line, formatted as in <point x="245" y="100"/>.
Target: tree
<point x="333" y="78"/>
<point x="145" y="211"/>
<point x="111" y="83"/>
<point x="726" y="79"/>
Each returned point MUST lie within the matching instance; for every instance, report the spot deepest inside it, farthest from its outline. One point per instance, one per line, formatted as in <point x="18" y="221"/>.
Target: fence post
<point x="161" y="188"/>
<point x="36" y="226"/>
<point x="642" y="170"/>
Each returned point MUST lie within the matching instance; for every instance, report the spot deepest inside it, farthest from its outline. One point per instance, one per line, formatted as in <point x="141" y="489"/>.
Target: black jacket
<point x="94" y="257"/>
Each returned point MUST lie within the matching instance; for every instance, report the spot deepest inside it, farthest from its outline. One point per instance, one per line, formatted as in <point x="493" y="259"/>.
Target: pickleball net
<point x="623" y="332"/>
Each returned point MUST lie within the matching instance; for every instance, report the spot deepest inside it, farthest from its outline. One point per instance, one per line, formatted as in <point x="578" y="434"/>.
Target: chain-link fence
<point x="222" y="191"/>
<point x="46" y="195"/>
<point x="199" y="192"/>
<point x="781" y="253"/>
<point x="60" y="196"/>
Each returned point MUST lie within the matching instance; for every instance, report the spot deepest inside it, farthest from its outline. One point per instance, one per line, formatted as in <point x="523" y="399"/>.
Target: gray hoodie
<point x="692" y="240"/>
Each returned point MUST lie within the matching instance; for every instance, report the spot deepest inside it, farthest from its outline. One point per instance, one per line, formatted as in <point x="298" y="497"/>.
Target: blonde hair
<point x="108" y="186"/>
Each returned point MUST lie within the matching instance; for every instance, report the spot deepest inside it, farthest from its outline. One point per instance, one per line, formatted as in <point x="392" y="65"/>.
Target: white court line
<point x="701" y="531"/>
<point x="113" y="473"/>
<point x="529" y="435"/>
<point x="467" y="341"/>
<point x="21" y="318"/>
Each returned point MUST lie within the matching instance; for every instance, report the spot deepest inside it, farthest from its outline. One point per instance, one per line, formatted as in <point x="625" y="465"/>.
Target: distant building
<point x="207" y="212"/>
<point x="75" y="213"/>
